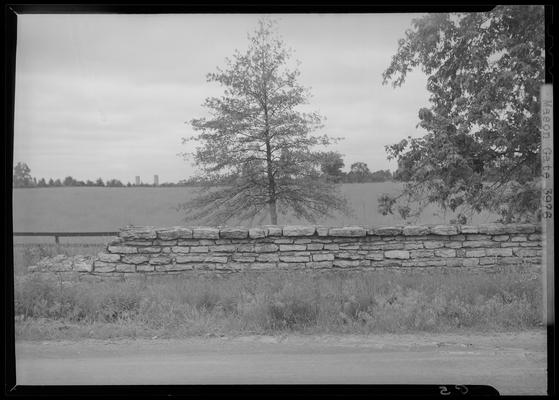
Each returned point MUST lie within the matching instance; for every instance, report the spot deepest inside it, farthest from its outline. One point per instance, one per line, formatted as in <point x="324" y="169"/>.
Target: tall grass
<point x="268" y="303"/>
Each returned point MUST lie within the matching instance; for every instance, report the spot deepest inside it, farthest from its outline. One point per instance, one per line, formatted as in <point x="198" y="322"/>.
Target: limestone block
<point x="180" y="249"/>
<point x="375" y="256"/>
<point x="99" y="266"/>
<point x="500" y="238"/>
<point x="122" y="249"/>
<point x="199" y="249"/>
<point x="174" y="267"/>
<point x="521" y="228"/>
<point x="125" y="268"/>
<point x="106" y="257"/>
<point x="265" y="248"/>
<point x="493" y="229"/>
<point x="496" y="252"/>
<point x="413" y="246"/>
<point x="430" y="244"/>
<point x="150" y="250"/>
<point x="225" y="248"/>
<point x="478" y="237"/>
<point x="480" y="243"/>
<point x="273" y="230"/>
<point x="348" y="231"/>
<point x="83" y="263"/>
<point x="245" y="247"/>
<point x="189" y="258"/>
<point x="444" y="230"/>
<point x="476" y="253"/>
<point x="399" y="254"/>
<point x="469" y="229"/>
<point x="292" y="247"/>
<point x="445" y="253"/>
<point x="268" y="257"/>
<point x="299" y="230"/>
<point x="145" y="268"/>
<point x="170" y="243"/>
<point x="233" y="233"/>
<point x="387" y="231"/>
<point x="345" y="263"/>
<point x="526" y="252"/>
<point x="294" y="259"/>
<point x="453" y="245"/>
<point x="350" y="256"/>
<point x="412" y="230"/>
<point x="138" y="232"/>
<point x="422" y="253"/>
<point x="216" y="259"/>
<point x="176" y="232"/>
<point x="322" y="230"/>
<point x="323" y="257"/>
<point x="332" y="246"/>
<point x="315" y="246"/>
<point x="160" y="260"/>
<point x="204" y="232"/>
<point x="535" y="237"/>
<point x="257" y="233"/>
<point x="135" y="259"/>
<point x="519" y="238"/>
<point x="302" y="241"/>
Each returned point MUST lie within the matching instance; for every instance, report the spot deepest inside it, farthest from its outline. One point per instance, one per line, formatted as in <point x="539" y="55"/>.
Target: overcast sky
<point x="108" y="95"/>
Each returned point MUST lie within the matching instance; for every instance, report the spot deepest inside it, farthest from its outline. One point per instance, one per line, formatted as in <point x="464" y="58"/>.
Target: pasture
<point x="108" y="209"/>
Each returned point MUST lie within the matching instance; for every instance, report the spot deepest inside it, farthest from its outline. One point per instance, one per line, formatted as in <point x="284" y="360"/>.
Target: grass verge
<point x="381" y="301"/>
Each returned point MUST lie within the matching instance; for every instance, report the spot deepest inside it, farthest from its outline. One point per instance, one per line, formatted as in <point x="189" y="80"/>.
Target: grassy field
<point x="108" y="209"/>
<point x="275" y="302"/>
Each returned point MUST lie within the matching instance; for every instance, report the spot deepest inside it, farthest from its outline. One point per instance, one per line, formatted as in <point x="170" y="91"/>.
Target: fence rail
<point x="58" y="235"/>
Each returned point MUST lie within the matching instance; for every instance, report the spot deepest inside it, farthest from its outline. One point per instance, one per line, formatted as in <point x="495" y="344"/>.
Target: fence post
<point x="56" y="239"/>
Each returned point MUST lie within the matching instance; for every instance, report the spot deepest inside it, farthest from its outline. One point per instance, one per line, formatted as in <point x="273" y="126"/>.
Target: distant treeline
<point x="359" y="173"/>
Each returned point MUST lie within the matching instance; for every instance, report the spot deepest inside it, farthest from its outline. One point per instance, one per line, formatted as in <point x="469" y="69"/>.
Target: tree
<point x="381" y="176"/>
<point x="42" y="183"/>
<point x="331" y="166"/>
<point x="22" y="175"/>
<point x="51" y="182"/>
<point x="256" y="139"/>
<point x="99" y="182"/>
<point x="57" y="182"/>
<point x="114" y="183"/>
<point x="359" y="172"/>
<point x="69" y="181"/>
<point x="482" y="147"/>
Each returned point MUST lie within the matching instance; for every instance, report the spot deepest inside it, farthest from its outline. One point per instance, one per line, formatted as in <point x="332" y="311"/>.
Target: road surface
<point x="513" y="363"/>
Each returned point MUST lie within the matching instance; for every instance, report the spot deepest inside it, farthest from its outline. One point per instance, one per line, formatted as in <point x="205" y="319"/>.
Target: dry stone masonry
<point x="151" y="250"/>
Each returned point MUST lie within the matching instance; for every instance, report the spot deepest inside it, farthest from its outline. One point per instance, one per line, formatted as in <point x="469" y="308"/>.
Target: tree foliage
<point x="22" y="175"/>
<point x="481" y="150"/>
<point x="256" y="138"/>
<point x="331" y="165"/>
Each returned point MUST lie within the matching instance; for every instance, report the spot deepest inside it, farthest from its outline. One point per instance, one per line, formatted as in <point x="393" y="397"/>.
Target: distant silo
<point x="137" y="180"/>
<point x="155" y="180"/>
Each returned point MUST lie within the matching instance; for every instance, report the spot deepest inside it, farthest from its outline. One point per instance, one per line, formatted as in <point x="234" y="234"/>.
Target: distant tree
<point x="22" y="175"/>
<point x="89" y="183"/>
<point x="128" y="184"/>
<point x="99" y="182"/>
<point x="114" y="183"/>
<point x="482" y="147"/>
<point x="51" y="182"/>
<point x="69" y="181"/>
<point x="57" y="182"/>
<point x="359" y="172"/>
<point x="258" y="140"/>
<point x="381" y="176"/>
<point x="331" y="164"/>
<point x="42" y="183"/>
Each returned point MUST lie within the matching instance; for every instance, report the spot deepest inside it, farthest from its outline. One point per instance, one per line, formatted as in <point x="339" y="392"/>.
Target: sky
<point x="111" y="95"/>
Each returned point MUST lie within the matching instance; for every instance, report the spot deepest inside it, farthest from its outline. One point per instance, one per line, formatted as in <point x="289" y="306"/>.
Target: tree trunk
<point x="273" y="213"/>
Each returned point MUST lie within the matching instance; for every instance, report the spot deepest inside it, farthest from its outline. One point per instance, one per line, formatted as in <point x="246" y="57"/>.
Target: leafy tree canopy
<point x="481" y="150"/>
<point x="22" y="175"/>
<point x="256" y="136"/>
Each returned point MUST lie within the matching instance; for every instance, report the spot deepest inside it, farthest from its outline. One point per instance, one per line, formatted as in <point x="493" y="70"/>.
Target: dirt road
<point x="513" y="363"/>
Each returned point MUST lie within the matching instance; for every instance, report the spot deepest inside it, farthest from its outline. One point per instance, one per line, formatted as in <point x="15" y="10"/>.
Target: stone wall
<point x="151" y="250"/>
